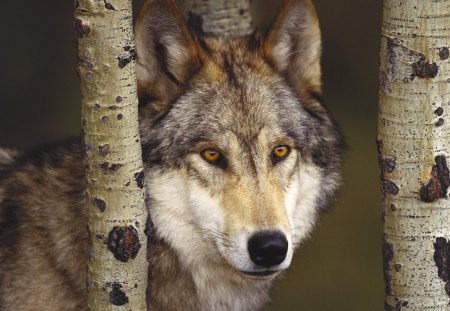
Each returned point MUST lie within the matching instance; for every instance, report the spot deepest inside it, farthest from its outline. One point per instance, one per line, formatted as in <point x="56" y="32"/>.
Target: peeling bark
<point x="117" y="265"/>
<point x="414" y="147"/>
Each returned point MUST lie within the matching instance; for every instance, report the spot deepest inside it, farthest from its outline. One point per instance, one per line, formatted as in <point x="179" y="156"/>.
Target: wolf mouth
<point x="264" y="273"/>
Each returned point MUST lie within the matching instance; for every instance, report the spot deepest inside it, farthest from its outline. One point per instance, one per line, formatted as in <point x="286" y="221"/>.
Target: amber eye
<point x="280" y="152"/>
<point x="212" y="155"/>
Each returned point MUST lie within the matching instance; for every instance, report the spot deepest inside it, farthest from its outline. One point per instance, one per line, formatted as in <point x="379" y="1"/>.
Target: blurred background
<point x="340" y="267"/>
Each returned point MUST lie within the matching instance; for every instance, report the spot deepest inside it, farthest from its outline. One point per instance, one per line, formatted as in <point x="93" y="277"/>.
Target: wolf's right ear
<point x="168" y="54"/>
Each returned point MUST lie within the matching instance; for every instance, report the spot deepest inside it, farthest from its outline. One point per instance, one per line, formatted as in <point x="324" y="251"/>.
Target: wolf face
<point x="240" y="155"/>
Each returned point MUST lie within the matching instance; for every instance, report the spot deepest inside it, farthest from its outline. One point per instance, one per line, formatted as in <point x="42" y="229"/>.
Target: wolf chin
<point x="240" y="159"/>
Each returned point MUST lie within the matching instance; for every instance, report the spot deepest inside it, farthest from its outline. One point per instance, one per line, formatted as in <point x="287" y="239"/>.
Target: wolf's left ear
<point x="293" y="46"/>
<point x="168" y="53"/>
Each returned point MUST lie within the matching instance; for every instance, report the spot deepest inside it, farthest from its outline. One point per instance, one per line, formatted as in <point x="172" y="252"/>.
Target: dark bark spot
<point x="123" y="242"/>
<point x="439" y="111"/>
<point x="112" y="107"/>
<point x="438" y="185"/>
<point x="139" y="177"/>
<point x="105" y="119"/>
<point x="384" y="82"/>
<point x="100" y="204"/>
<point x="392" y="67"/>
<point x="81" y="28"/>
<point x="423" y="69"/>
<point x="119" y="116"/>
<point x="88" y="147"/>
<point x="84" y="122"/>
<point x="389" y="187"/>
<point x="113" y="167"/>
<point x="447" y="288"/>
<point x="393" y="207"/>
<point x="116" y="296"/>
<point x="100" y="237"/>
<point x="388" y="254"/>
<point x="103" y="150"/>
<point x="195" y="22"/>
<point x="442" y="258"/>
<point x="108" y="6"/>
<point x="398" y="267"/>
<point x="119" y="99"/>
<point x="388" y="307"/>
<point x="123" y="61"/>
<point x="444" y="53"/>
<point x="440" y="122"/>
<point x="126" y="59"/>
<point x="379" y="147"/>
<point x="387" y="164"/>
<point x="400" y="304"/>
<point x="86" y="63"/>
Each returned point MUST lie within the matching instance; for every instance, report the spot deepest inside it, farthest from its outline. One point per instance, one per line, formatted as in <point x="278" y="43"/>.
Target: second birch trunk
<point x="414" y="146"/>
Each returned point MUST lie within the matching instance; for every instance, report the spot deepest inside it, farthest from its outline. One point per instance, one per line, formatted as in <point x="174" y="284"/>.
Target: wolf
<point x="241" y="158"/>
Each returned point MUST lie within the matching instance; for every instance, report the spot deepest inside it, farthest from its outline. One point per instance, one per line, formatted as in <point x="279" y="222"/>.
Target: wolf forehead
<point x="235" y="91"/>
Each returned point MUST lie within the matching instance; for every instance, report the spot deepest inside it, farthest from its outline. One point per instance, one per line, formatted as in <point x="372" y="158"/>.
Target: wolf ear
<point x="293" y="46"/>
<point x="168" y="54"/>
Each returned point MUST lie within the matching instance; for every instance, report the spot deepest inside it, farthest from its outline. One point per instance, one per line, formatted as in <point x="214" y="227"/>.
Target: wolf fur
<point x="242" y="97"/>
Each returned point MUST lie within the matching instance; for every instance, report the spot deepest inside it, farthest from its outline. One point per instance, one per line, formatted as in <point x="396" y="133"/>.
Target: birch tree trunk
<point x="117" y="267"/>
<point x="226" y="18"/>
<point x="414" y="146"/>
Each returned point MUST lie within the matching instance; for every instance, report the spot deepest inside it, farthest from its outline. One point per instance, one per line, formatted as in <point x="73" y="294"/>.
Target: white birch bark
<point x="117" y="266"/>
<point x="414" y="146"/>
<point x="226" y="18"/>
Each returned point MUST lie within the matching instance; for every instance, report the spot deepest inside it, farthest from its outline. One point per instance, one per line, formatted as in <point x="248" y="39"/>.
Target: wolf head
<point x="241" y="156"/>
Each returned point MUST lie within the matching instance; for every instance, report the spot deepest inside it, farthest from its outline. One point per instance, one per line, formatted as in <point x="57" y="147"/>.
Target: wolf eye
<point x="280" y="153"/>
<point x="212" y="156"/>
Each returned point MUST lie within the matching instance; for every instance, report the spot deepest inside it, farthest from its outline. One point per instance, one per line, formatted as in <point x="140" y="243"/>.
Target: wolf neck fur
<point x="209" y="286"/>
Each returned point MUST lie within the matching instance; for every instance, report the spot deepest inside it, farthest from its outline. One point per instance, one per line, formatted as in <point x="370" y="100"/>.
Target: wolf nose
<point x="268" y="248"/>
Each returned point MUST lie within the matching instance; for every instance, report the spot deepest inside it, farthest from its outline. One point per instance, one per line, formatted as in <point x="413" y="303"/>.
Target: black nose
<point x="268" y="248"/>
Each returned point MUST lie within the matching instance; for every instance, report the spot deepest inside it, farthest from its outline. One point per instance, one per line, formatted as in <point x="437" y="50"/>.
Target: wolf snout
<point x="268" y="248"/>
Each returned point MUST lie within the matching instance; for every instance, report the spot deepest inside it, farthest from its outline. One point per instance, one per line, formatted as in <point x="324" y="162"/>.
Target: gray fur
<point x="213" y="89"/>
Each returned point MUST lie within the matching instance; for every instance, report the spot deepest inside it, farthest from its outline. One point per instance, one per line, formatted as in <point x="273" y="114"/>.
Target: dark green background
<point x="340" y="267"/>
